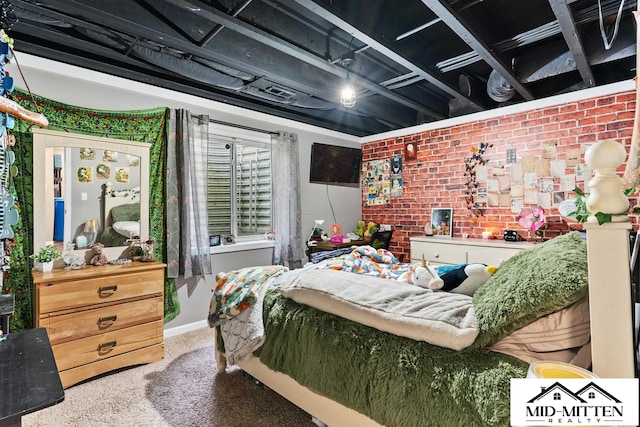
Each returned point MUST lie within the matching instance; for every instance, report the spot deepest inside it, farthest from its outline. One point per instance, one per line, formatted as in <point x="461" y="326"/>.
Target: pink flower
<point x="532" y="218"/>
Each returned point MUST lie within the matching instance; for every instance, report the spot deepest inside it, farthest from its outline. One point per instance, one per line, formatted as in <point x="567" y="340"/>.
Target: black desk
<point x="29" y="379"/>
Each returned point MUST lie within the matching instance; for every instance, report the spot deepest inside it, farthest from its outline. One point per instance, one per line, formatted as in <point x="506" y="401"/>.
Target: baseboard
<point x="177" y="330"/>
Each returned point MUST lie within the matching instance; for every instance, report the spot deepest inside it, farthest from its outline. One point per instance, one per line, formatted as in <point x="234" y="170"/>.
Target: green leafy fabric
<point x="394" y="380"/>
<point x="142" y="126"/>
<point x="533" y="283"/>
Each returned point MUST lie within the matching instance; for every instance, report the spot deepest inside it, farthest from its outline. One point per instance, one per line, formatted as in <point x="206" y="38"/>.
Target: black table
<point x="7" y="302"/>
<point x="29" y="379"/>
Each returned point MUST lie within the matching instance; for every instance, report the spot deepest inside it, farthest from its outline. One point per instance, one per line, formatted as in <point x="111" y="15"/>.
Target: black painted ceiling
<point x="414" y="61"/>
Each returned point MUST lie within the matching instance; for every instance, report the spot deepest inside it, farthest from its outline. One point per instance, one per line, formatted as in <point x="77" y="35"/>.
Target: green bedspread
<point x="395" y="381"/>
<point x="400" y="382"/>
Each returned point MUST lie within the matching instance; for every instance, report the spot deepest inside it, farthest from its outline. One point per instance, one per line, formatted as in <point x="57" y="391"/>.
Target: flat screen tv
<point x="335" y="165"/>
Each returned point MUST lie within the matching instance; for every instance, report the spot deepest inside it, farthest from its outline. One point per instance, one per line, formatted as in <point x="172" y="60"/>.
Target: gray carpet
<point x="183" y="389"/>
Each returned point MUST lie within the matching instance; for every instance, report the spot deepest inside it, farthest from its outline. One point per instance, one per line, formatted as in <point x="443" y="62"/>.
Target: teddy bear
<point x="464" y="278"/>
<point x="98" y="258"/>
<point x="423" y="275"/>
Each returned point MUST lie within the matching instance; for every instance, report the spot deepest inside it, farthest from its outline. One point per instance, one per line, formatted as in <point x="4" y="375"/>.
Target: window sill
<point x="241" y="246"/>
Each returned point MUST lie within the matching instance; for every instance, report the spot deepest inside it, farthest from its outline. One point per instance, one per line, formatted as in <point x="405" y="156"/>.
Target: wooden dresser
<point x="101" y="318"/>
<point x="454" y="251"/>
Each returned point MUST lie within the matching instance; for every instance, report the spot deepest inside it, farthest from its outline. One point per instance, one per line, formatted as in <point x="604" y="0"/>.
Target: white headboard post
<point x="609" y="269"/>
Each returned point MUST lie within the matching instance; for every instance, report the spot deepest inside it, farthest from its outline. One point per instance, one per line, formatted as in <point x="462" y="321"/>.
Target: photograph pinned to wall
<point x="396" y="164"/>
<point x="103" y="171"/>
<point x="133" y="161"/>
<point x="85" y="174"/>
<point x="87" y="154"/>
<point x="122" y="175"/>
<point x="441" y="221"/>
<point x="396" y="186"/>
<point x="377" y="182"/>
<point x="410" y="150"/>
<point x="110" y="156"/>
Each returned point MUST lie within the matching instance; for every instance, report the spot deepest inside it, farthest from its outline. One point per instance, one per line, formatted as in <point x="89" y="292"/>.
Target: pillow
<point x="129" y="212"/>
<point x="531" y="284"/>
<point x="551" y="337"/>
<point x="128" y="229"/>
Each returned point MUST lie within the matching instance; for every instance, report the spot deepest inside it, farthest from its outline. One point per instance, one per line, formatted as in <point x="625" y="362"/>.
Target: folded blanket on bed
<point x="237" y="290"/>
<point x="440" y="318"/>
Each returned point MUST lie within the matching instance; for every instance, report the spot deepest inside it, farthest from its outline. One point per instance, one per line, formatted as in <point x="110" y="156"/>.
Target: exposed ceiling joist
<point x="572" y="38"/>
<point x="453" y="21"/>
<point x="389" y="53"/>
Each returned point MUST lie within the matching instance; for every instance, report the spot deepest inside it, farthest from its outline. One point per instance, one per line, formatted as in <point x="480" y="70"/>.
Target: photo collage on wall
<point x="382" y="179"/>
<point x="103" y="168"/>
<point x="532" y="180"/>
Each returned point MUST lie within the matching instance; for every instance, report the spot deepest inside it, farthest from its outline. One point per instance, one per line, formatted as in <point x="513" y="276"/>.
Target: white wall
<point x="84" y="88"/>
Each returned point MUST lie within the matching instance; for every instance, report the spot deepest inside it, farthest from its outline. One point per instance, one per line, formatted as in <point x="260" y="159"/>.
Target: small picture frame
<point x="214" y="240"/>
<point x="336" y="230"/>
<point x="442" y="222"/>
<point x="410" y="150"/>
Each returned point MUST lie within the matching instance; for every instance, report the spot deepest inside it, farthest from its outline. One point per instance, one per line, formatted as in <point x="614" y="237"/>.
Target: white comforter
<point x="440" y="318"/>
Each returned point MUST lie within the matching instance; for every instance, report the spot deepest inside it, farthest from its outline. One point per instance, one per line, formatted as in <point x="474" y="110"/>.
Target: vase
<point x="44" y="266"/>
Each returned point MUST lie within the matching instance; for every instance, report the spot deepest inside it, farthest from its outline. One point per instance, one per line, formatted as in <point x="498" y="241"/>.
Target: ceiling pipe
<point x="556" y="59"/>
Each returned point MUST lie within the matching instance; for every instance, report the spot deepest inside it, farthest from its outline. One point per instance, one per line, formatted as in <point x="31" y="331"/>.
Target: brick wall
<point x="435" y="178"/>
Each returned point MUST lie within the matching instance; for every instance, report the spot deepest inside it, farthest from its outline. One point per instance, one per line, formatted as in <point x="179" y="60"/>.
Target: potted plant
<point x="44" y="258"/>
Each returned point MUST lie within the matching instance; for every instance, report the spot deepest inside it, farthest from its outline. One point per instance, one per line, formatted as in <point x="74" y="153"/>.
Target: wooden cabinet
<point x="453" y="251"/>
<point x="101" y="318"/>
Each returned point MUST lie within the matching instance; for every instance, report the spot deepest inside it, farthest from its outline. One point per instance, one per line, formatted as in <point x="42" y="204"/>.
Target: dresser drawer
<point x="82" y="324"/>
<point x="438" y="253"/>
<point x="59" y="296"/>
<point x="91" y="349"/>
<point x="490" y="256"/>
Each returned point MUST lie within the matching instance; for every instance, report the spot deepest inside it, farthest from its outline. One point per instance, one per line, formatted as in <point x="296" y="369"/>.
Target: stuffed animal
<point x="98" y="258"/>
<point x="464" y="278"/>
<point x="372" y="227"/>
<point x="423" y="275"/>
<point x="360" y="229"/>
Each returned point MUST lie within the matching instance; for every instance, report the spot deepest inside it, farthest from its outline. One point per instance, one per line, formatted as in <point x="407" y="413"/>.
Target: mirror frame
<point x="44" y="141"/>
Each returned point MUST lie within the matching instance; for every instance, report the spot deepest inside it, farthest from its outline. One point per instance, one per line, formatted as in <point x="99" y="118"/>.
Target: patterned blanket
<point x="237" y="290"/>
<point x="236" y="304"/>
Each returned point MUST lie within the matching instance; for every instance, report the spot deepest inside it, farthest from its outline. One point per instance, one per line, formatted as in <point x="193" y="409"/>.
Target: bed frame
<point x="613" y="354"/>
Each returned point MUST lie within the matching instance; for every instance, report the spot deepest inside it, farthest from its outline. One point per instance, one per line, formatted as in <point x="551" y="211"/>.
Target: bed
<point x="121" y="219"/>
<point x="300" y="336"/>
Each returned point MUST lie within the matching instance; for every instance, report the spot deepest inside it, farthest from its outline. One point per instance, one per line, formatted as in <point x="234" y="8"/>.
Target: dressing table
<point x="106" y="317"/>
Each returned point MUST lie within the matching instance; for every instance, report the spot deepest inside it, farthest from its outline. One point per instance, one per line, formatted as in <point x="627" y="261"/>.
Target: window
<point x="239" y="182"/>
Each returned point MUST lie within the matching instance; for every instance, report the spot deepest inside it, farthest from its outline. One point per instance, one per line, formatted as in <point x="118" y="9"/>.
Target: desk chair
<point x="381" y="239"/>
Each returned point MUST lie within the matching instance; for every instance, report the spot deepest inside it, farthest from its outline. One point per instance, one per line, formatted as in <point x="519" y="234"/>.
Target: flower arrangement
<point x="533" y="218"/>
<point x="47" y="254"/>
<point x="470" y="163"/>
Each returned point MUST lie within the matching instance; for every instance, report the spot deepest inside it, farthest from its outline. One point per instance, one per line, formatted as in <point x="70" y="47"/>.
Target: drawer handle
<point x="436" y="255"/>
<point x="106" y="347"/>
<point x="107" y="321"/>
<point x="107" y="290"/>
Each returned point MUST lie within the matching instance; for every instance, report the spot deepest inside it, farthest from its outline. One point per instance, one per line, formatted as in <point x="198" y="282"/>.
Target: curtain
<point x="286" y="200"/>
<point x="187" y="221"/>
<point x="143" y="126"/>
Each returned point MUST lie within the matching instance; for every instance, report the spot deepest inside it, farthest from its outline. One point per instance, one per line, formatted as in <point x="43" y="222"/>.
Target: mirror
<point x="89" y="188"/>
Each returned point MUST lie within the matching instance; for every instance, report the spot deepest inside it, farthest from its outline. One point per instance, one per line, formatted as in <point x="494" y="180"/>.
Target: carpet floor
<point x="183" y="389"/>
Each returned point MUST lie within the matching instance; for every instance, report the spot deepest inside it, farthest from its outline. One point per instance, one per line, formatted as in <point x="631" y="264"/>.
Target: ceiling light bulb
<point x="348" y="96"/>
